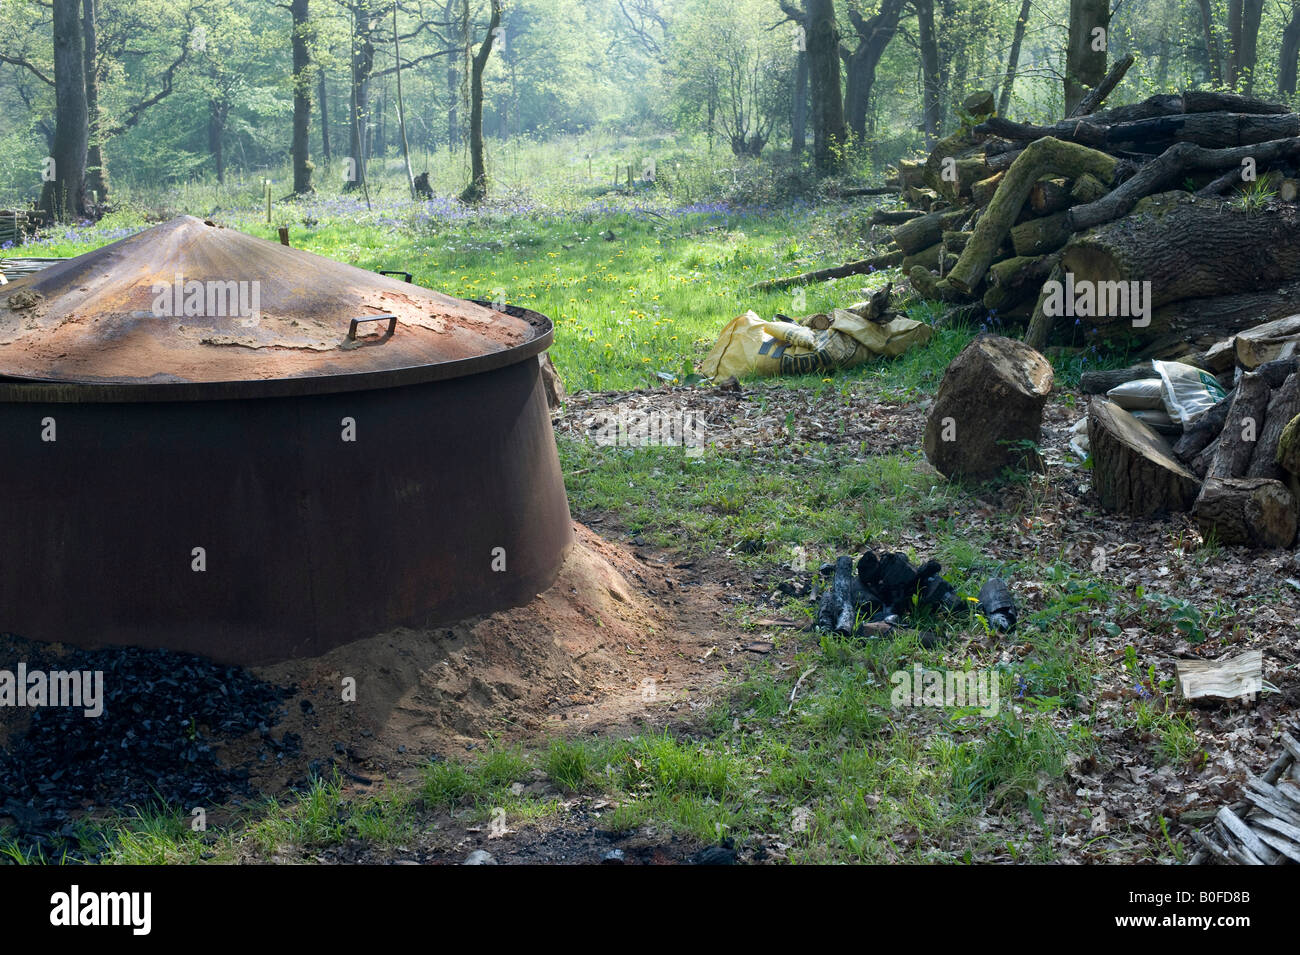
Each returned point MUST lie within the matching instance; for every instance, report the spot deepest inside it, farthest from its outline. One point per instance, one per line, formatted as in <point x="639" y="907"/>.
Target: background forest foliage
<point x="189" y="91"/>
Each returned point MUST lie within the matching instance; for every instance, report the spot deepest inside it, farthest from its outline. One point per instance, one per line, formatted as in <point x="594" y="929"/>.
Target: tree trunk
<point x="1013" y="58"/>
<point x="1213" y="56"/>
<point x="96" y="165"/>
<point x="361" y="65"/>
<point x="1290" y="52"/>
<point x="477" y="188"/>
<point x="1085" y="65"/>
<point x="324" y="117"/>
<point x="799" y="112"/>
<point x="874" y="34"/>
<point x="401" y="111"/>
<point x="829" y="133"/>
<point x="302" y="165"/>
<point x="930" y="79"/>
<point x="217" y="111"/>
<point x="64" y="194"/>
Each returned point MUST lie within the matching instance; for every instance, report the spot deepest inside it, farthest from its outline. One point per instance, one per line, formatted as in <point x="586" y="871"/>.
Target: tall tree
<point x="64" y="194"/>
<point x="302" y="90"/>
<point x="930" y="73"/>
<point x="874" y="34"/>
<point x="478" y="184"/>
<point x="1212" y="54"/>
<point x="96" y="168"/>
<point x="830" y="136"/>
<point x="1013" y="58"/>
<point x="1290" y="51"/>
<point x="1085" y="51"/>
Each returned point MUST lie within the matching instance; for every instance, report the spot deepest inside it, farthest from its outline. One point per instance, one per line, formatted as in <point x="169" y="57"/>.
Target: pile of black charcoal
<point x="150" y="747"/>
<point x="887" y="591"/>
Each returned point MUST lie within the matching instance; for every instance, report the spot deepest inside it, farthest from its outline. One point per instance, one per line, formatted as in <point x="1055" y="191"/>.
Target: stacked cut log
<point x="1193" y="193"/>
<point x="13" y="226"/>
<point x="1236" y="466"/>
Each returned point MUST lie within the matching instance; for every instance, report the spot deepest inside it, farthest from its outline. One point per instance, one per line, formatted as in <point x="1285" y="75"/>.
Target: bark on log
<point x="1002" y="161"/>
<point x="1040" y="236"/>
<point x="894" y="216"/>
<point x="1207" y="101"/>
<point x="982" y="192"/>
<point x="1276" y="372"/>
<point x="1202" y="322"/>
<point x="1241" y="429"/>
<point x="925" y="231"/>
<point x="1255" y="512"/>
<point x="1218" y="129"/>
<point x="957" y="178"/>
<point x="1041" y="158"/>
<point x="1103" y="380"/>
<point x="927" y="258"/>
<point x="860" y="267"/>
<point x="1017" y="279"/>
<point x="1288" y="447"/>
<point x="1201" y="463"/>
<point x="1168" y="170"/>
<point x="1087" y="189"/>
<point x="1134" y="470"/>
<point x="1282" y="407"/>
<point x="1181" y="245"/>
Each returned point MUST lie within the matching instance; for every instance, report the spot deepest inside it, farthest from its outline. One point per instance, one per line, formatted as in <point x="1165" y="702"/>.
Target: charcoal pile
<point x="886" y="591"/>
<point x="163" y="716"/>
<point x="1225" y="445"/>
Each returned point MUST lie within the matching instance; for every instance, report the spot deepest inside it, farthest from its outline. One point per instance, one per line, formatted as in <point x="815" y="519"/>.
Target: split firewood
<point x="1241" y="429"/>
<point x="1283" y="406"/>
<point x="1205" y="429"/>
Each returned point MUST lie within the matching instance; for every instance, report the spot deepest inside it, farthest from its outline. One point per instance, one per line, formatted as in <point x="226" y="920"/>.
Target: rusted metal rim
<point x="34" y="390"/>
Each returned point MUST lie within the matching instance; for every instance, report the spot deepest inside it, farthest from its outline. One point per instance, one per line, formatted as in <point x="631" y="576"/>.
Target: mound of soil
<point x="620" y="639"/>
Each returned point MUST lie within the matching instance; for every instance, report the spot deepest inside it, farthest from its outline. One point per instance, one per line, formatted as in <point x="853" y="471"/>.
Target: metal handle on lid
<point x="391" y="319"/>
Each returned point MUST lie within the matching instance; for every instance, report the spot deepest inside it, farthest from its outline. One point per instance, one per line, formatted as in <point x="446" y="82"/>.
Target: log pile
<point x="1236" y="466"/>
<point x="1171" y="222"/>
<point x="14" y="225"/>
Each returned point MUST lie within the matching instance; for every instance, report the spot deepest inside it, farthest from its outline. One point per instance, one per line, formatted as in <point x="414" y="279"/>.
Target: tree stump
<point x="1133" y="468"/>
<point x="988" y="413"/>
<point x="1256" y="512"/>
